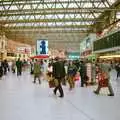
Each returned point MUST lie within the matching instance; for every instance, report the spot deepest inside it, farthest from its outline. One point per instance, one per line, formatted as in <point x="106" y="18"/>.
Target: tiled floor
<point x="20" y="99"/>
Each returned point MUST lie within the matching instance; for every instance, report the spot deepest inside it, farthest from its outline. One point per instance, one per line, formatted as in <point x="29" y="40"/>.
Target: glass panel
<point x="13" y="7"/>
<point x="1" y="8"/>
<point x="118" y="15"/>
<point x="112" y="1"/>
<point x="74" y="4"/>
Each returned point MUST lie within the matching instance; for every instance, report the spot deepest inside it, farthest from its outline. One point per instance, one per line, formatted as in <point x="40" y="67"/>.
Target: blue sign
<point x="42" y="47"/>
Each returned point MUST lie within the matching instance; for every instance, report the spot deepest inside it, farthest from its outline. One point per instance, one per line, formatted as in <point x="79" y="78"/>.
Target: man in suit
<point x="83" y="73"/>
<point x="58" y="74"/>
<point x="19" y="67"/>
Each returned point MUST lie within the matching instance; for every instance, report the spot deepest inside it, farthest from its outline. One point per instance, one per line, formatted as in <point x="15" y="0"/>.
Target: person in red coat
<point x="103" y="81"/>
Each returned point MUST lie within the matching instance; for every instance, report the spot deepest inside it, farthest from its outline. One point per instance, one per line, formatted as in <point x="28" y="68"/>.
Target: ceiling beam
<point x="106" y="16"/>
<point x="30" y="2"/>
<point x="19" y="13"/>
<point x="102" y="9"/>
<point x="39" y="31"/>
<point x="49" y="20"/>
<point x="50" y="27"/>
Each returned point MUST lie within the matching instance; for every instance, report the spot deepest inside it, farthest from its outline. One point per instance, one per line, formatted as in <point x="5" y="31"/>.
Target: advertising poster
<point x="42" y="47"/>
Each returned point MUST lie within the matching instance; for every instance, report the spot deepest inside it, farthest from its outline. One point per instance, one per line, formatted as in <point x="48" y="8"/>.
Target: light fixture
<point x="110" y="56"/>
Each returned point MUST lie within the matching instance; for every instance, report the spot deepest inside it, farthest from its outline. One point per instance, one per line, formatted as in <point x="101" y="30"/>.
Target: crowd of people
<point x="14" y="66"/>
<point x="60" y="72"/>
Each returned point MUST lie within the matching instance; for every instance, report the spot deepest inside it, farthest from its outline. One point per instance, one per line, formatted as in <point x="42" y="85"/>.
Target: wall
<point x="3" y="42"/>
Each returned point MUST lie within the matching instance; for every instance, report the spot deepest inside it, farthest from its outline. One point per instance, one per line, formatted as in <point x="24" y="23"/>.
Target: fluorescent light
<point x="110" y="56"/>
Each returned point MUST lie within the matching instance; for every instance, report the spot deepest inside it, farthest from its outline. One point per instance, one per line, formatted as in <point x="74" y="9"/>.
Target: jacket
<point x="37" y="68"/>
<point x="58" y="69"/>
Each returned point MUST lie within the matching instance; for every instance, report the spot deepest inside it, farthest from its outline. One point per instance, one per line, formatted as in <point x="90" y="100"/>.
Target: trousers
<point x="59" y="87"/>
<point x="109" y="88"/>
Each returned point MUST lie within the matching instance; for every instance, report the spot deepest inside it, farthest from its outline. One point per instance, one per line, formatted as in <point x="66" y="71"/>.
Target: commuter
<point x="42" y="69"/>
<point x="19" y="67"/>
<point x="72" y="69"/>
<point x="83" y="74"/>
<point x="103" y="81"/>
<point x="13" y="66"/>
<point x="24" y="64"/>
<point x="118" y="70"/>
<point x="1" y="71"/>
<point x="77" y="64"/>
<point x="58" y="75"/>
<point x="5" y="66"/>
<point x="93" y="72"/>
<point x="37" y="71"/>
<point x="66" y="73"/>
<point x="45" y="66"/>
<point x="49" y="71"/>
<point x="31" y="66"/>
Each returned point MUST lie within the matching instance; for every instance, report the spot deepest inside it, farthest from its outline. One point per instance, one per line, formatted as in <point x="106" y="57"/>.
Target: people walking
<point x="1" y="71"/>
<point x="83" y="74"/>
<point x="5" y="66"/>
<point x="58" y="75"/>
<point x="37" y="71"/>
<point x="19" y="67"/>
<point x="13" y="66"/>
<point x="31" y="66"/>
<point x="103" y="80"/>
<point x="118" y="70"/>
<point x="72" y="69"/>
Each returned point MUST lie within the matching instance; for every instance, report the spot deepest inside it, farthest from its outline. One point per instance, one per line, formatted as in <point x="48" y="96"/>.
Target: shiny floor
<point x="20" y="99"/>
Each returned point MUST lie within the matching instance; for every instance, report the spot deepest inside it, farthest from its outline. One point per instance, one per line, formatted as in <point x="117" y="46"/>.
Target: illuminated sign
<point x="42" y="47"/>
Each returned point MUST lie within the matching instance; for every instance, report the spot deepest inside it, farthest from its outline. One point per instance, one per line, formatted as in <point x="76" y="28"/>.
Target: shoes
<point x="110" y="94"/>
<point x="33" y="81"/>
<point x="39" y="82"/>
<point x="70" y="89"/>
<point x="96" y="92"/>
<point x="61" y="96"/>
<point x="54" y="92"/>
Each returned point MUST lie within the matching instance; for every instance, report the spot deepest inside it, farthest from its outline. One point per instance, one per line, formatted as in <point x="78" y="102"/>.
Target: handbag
<point x="51" y="83"/>
<point x="77" y="77"/>
<point x="103" y="80"/>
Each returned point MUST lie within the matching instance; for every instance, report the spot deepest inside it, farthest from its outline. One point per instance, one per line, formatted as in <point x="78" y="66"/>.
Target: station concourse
<point x="72" y="47"/>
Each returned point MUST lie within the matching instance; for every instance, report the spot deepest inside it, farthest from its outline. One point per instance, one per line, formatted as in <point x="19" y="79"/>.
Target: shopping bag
<point x="102" y="79"/>
<point x="56" y="82"/>
<point x="51" y="83"/>
<point x="77" y="77"/>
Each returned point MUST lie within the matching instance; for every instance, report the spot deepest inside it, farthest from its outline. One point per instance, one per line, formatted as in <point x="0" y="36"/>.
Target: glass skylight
<point x="52" y="13"/>
<point x="118" y="15"/>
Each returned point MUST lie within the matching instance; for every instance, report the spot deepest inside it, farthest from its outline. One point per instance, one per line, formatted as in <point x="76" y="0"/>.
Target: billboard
<point x="42" y="47"/>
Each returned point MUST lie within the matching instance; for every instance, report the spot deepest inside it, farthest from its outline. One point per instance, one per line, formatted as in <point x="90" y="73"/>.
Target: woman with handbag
<point x="71" y="74"/>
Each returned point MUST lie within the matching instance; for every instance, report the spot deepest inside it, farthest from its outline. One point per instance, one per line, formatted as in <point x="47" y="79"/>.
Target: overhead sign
<point x="74" y="55"/>
<point x="42" y="47"/>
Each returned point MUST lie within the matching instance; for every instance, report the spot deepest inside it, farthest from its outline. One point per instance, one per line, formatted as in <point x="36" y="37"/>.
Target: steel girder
<point x="26" y="19"/>
<point x="109" y="17"/>
<point x="16" y="11"/>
